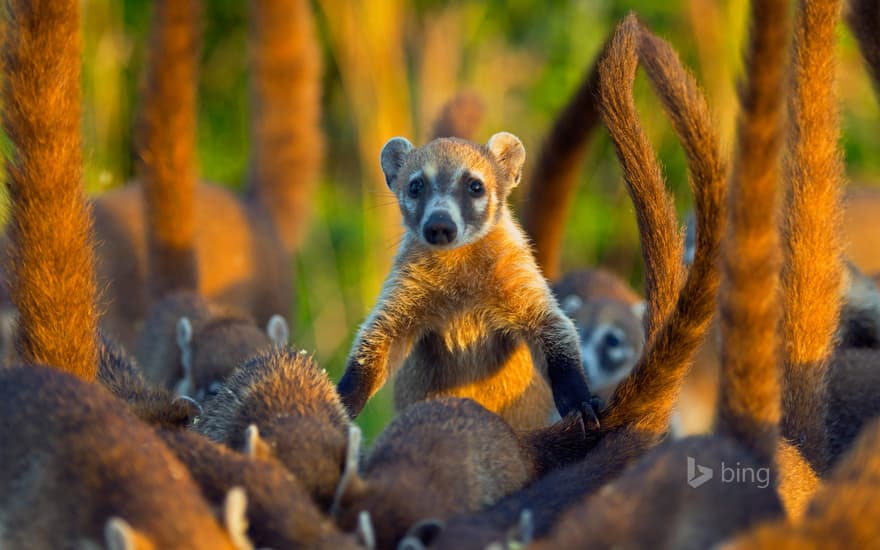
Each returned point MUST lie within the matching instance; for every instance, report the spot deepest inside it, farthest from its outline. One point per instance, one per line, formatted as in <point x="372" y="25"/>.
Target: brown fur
<point x="749" y="406"/>
<point x="677" y="316"/>
<point x="280" y="513"/>
<point x="553" y="179"/>
<point x="629" y="431"/>
<point x="864" y="20"/>
<point x="153" y="405"/>
<point x="65" y="475"/>
<point x="595" y="284"/>
<point x="841" y="515"/>
<point x="51" y="272"/>
<point x="166" y="137"/>
<point x="460" y="117"/>
<point x="286" y="115"/>
<point x="297" y="411"/>
<point x="813" y="274"/>
<point x="477" y="320"/>
<point x="447" y="456"/>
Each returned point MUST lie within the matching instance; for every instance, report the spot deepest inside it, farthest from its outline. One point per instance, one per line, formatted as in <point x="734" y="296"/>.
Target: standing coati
<point x="465" y="310"/>
<point x="456" y="456"/>
<point x="77" y="469"/>
<point x="280" y="513"/>
<point x="242" y="246"/>
<point x="296" y="415"/>
<point x="638" y="413"/>
<point x="186" y="342"/>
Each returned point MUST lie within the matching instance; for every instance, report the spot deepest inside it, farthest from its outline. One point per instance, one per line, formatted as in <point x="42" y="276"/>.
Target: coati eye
<point x="612" y="340"/>
<point x="415" y="187"/>
<point x="475" y="188"/>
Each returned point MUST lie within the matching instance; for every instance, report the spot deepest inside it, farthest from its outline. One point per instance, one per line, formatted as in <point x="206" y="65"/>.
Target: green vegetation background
<point x="524" y="56"/>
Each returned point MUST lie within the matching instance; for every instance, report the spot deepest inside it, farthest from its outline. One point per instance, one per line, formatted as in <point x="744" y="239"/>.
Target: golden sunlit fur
<point x="51" y="271"/>
<point x="813" y="273"/>
<point x="166" y="137"/>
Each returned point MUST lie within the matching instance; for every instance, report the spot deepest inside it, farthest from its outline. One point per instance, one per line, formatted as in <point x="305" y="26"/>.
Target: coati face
<point x="611" y="337"/>
<point x="451" y="191"/>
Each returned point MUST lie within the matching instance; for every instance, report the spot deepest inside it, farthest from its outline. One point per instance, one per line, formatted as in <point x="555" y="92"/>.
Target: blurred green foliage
<point x="524" y="56"/>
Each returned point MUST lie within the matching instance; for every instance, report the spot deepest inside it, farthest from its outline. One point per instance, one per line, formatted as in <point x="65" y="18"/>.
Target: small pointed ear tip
<point x="118" y="534"/>
<point x="193" y="407"/>
<point x="184" y="329"/>
<point x="278" y="330"/>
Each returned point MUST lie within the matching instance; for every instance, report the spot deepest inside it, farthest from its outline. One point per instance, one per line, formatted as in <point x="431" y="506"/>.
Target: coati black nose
<point x="439" y="229"/>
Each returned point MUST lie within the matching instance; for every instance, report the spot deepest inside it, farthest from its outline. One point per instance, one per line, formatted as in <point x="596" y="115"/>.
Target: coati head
<point x="451" y="191"/>
<point x="608" y="317"/>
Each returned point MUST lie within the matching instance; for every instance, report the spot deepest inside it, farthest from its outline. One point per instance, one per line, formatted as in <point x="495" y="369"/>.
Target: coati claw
<point x="591" y="418"/>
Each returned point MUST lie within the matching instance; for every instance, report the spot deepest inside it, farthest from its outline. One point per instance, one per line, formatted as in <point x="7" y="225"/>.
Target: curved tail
<point x="749" y="403"/>
<point x="51" y="271"/>
<point x="167" y="146"/>
<point x="285" y="114"/>
<point x="813" y="271"/>
<point x="678" y="311"/>
<point x="460" y="117"/>
<point x="553" y="179"/>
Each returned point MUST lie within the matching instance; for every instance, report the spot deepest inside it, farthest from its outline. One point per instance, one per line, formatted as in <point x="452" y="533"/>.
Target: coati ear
<point x="350" y="479"/>
<point x="190" y="405"/>
<point x="639" y="308"/>
<point x="254" y="446"/>
<point x="119" y="535"/>
<point x="571" y="304"/>
<point x="510" y="154"/>
<point x="277" y="330"/>
<point x="393" y="154"/>
<point x="235" y="518"/>
<point x="184" y="343"/>
<point x="365" y="533"/>
<point x="421" y="534"/>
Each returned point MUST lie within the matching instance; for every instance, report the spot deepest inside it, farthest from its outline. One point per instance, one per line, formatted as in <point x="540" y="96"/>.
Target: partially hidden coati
<point x="465" y="310"/>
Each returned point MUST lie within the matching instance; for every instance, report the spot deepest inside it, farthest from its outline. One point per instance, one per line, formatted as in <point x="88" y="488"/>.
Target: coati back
<point x="465" y="311"/>
<point x="280" y="512"/>
<point x="608" y="317"/>
<point x="76" y="468"/>
<point x="450" y="455"/>
<point x="296" y="412"/>
<point x="51" y="265"/>
<point x="642" y="419"/>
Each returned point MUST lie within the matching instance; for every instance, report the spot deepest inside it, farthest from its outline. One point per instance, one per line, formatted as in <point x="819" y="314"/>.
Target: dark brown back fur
<point x="460" y="117"/>
<point x="297" y="411"/>
<point x="72" y="458"/>
<point x="51" y="267"/>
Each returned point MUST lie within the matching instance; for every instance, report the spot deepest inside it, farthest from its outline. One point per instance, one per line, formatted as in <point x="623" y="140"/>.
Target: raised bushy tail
<point x="813" y="271"/>
<point x="286" y="132"/>
<point x="749" y="400"/>
<point x="167" y="147"/>
<point x="51" y="271"/>
<point x="679" y="311"/>
<point x="460" y="117"/>
<point x="553" y="179"/>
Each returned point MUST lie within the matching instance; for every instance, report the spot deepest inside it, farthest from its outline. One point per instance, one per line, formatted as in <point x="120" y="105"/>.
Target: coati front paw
<point x="572" y="393"/>
<point x="352" y="393"/>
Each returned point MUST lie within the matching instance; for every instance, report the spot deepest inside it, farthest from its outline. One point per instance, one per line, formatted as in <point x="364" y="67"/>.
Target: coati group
<point x="218" y="434"/>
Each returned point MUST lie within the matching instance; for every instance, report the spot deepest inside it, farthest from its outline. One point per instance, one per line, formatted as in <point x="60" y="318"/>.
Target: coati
<point x="77" y="469"/>
<point x="460" y="117"/>
<point x="242" y="245"/>
<point x="658" y="501"/>
<point x="153" y="405"/>
<point x="636" y="420"/>
<point x="465" y="310"/>
<point x="212" y="340"/>
<point x="608" y="317"/>
<point x="297" y="415"/>
<point x="50" y="263"/>
<point x="455" y="456"/>
<point x="280" y="513"/>
<point x="843" y="512"/>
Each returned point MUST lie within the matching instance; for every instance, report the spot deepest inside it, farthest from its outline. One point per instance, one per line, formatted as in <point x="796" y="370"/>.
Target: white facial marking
<point x="430" y="171"/>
